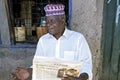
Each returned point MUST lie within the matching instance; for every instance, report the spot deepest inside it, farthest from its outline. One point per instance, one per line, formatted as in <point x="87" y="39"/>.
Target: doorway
<point x="111" y="40"/>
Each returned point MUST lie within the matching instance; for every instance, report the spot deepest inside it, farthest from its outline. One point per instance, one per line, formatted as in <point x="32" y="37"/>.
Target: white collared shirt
<point x="70" y="46"/>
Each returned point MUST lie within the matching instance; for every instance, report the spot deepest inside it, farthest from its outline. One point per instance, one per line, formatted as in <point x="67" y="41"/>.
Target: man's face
<point x="55" y="25"/>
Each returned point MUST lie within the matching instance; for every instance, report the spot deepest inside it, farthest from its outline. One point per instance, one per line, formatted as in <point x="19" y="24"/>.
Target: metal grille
<point x="28" y="13"/>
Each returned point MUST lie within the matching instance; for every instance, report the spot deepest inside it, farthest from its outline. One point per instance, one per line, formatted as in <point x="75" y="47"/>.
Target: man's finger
<point x="65" y="78"/>
<point x="19" y="68"/>
<point x="71" y="77"/>
<point x="13" y="76"/>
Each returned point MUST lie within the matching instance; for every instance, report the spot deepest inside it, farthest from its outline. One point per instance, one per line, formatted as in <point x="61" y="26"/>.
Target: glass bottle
<point x="42" y="22"/>
<point x="17" y="23"/>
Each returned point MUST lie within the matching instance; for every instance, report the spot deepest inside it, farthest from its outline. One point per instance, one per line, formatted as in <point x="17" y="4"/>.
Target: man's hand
<point x="69" y="78"/>
<point x="20" y="74"/>
<point x="83" y="76"/>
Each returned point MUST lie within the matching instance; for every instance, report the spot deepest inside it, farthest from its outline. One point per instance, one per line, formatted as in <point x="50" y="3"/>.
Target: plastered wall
<point x="87" y="19"/>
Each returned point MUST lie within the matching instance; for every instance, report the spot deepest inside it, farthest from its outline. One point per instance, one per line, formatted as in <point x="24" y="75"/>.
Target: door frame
<point x="108" y="39"/>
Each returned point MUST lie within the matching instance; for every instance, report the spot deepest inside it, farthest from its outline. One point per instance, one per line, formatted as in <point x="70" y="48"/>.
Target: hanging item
<point x="20" y="32"/>
<point x="41" y="31"/>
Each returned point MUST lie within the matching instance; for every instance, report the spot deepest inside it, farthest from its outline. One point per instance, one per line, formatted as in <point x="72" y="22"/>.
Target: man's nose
<point x="49" y="24"/>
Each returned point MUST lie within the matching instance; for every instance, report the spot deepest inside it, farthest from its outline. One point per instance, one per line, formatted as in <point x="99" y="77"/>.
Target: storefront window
<point x="28" y="17"/>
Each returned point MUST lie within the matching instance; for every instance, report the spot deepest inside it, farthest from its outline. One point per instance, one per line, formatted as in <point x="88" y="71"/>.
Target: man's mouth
<point x="50" y="29"/>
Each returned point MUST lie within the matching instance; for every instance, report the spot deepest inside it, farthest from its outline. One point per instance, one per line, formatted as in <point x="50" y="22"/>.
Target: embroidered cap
<point x="54" y="9"/>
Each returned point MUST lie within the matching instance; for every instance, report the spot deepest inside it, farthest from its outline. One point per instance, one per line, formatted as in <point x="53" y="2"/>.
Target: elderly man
<point x="62" y="43"/>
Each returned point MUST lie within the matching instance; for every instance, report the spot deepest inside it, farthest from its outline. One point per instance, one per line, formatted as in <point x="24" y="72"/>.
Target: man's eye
<point x="47" y="22"/>
<point x="50" y="22"/>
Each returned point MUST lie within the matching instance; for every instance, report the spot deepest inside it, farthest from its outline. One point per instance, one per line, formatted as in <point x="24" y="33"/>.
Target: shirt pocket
<point x="69" y="55"/>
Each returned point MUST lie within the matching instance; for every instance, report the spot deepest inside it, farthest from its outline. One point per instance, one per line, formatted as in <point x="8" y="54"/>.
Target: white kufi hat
<point x="54" y="9"/>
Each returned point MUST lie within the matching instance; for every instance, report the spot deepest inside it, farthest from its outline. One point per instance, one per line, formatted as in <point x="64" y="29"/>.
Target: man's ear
<point x="63" y="19"/>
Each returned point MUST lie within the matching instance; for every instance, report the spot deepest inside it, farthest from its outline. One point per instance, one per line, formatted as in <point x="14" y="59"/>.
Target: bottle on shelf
<point x="41" y="30"/>
<point x="17" y="23"/>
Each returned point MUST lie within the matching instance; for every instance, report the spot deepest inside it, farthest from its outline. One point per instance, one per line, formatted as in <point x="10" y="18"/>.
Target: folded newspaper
<point x="54" y="69"/>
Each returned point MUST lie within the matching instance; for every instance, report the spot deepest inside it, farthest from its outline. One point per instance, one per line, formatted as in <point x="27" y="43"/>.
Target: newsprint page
<point x="54" y="69"/>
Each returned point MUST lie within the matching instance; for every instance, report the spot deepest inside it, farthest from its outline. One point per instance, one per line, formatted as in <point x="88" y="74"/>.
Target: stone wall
<point x="10" y="58"/>
<point x="87" y="19"/>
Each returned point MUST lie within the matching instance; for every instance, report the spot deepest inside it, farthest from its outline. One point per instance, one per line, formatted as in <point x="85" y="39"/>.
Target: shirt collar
<point x="65" y="34"/>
